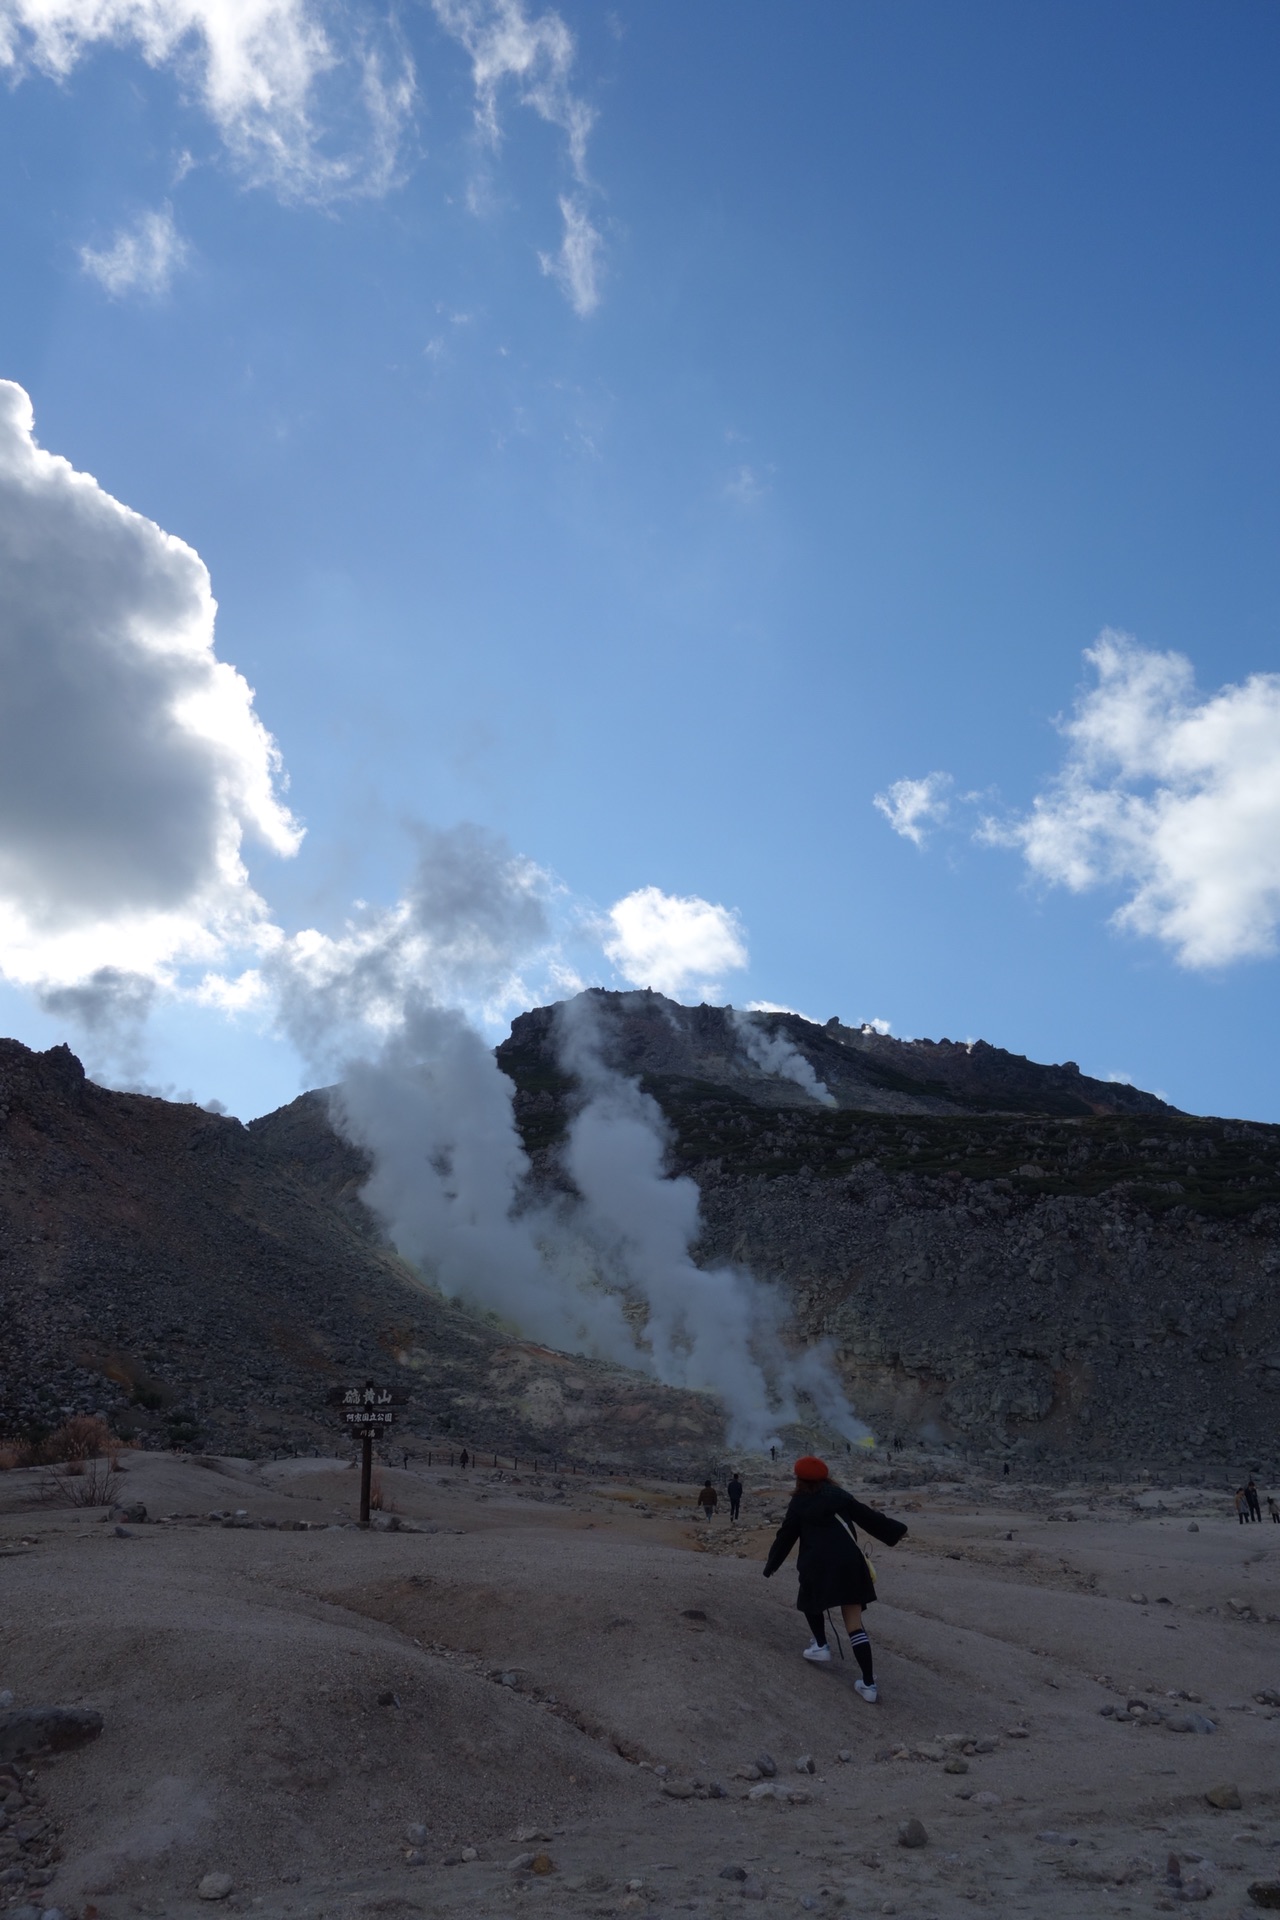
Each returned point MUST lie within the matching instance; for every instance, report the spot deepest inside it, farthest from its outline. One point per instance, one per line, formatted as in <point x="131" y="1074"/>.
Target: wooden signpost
<point x="366" y="1411"/>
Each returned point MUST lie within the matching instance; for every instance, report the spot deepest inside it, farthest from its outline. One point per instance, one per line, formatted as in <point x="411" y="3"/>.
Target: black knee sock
<point x="862" y="1654"/>
<point x="818" y="1627"/>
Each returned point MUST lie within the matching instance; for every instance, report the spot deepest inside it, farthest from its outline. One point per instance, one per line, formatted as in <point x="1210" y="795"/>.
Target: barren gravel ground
<point x="283" y="1706"/>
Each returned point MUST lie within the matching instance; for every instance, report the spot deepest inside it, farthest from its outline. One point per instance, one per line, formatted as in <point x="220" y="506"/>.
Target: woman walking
<point x="832" y="1567"/>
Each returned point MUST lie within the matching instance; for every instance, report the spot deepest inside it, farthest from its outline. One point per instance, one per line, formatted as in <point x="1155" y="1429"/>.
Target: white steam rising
<point x="774" y="1053"/>
<point x="607" y="1271"/>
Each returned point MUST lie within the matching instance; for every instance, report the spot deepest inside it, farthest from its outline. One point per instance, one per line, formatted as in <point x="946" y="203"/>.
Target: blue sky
<point x="904" y="351"/>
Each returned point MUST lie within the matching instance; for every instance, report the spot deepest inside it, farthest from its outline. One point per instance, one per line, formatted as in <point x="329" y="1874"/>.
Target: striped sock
<point x="861" y="1645"/>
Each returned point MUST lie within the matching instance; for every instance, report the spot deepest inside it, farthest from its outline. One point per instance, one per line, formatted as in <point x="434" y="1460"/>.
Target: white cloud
<point x="256" y="67"/>
<point x="576" y="268"/>
<point x="535" y="54"/>
<point x="132" y="763"/>
<point x="745" y="487"/>
<point x="910" y="806"/>
<point x="673" y="943"/>
<point x="1171" y="796"/>
<point x="142" y="258"/>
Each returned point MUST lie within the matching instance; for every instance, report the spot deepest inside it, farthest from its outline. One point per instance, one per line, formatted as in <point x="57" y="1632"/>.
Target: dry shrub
<point x="86" y="1436"/>
<point x="93" y="1483"/>
<point x="10" y="1456"/>
<point x="380" y="1500"/>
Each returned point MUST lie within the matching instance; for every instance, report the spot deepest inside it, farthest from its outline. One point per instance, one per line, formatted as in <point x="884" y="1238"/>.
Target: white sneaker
<point x="868" y="1691"/>
<point x="814" y="1652"/>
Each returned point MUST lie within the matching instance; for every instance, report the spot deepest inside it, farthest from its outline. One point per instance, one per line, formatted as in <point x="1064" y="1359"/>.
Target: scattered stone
<point x="414" y="1857"/>
<point x="767" y="1764"/>
<point x="912" y="1834"/>
<point x="844" y="1755"/>
<point x="470" y="1853"/>
<point x="388" y="1699"/>
<point x="521" y="1863"/>
<point x="1265" y="1893"/>
<point x="765" y="1791"/>
<point x="798" y="1796"/>
<point x="216" y="1886"/>
<point x="1189" y="1723"/>
<point x="1052" y="1838"/>
<point x="1226" y="1798"/>
<point x="678" y="1789"/>
<point x="1017" y="1733"/>
<point x="1138" y="1599"/>
<point x="956" y="1765"/>
<point x="753" y="1889"/>
<point x="122" y="1533"/>
<point x="749" y="1772"/>
<point x="417" y="1834"/>
<point x="733" y="1873"/>
<point x="805" y="1764"/>
<point x="987" y="1800"/>
<point x="1194" y="1527"/>
<point x="526" y="1834"/>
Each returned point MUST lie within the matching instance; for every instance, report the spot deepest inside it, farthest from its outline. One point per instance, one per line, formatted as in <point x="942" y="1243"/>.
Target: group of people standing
<point x="1249" y="1504"/>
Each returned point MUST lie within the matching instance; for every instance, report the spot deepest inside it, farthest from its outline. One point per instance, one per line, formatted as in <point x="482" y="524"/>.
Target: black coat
<point x="832" y="1567"/>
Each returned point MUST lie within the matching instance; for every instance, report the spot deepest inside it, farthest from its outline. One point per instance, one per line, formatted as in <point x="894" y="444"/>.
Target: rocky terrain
<point x="582" y="1702"/>
<point x="1011" y="1258"/>
<point x="206" y="1284"/>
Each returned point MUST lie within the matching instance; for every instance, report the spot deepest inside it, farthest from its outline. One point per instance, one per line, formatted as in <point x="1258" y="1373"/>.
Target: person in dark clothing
<point x="464" y="1458"/>
<point x="1255" y="1503"/>
<point x="832" y="1566"/>
<point x="707" y="1499"/>
<point x="734" y="1491"/>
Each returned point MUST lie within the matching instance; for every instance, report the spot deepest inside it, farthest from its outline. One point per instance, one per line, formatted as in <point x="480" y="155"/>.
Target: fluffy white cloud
<point x="1171" y="796"/>
<point x="142" y="258"/>
<point x="911" y="806"/>
<point x="673" y="943"/>
<point x="132" y="764"/>
<point x="534" y="54"/>
<point x="257" y="68"/>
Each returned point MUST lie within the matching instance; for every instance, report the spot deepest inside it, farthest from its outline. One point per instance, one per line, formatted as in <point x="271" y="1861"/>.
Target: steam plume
<point x="774" y="1053"/>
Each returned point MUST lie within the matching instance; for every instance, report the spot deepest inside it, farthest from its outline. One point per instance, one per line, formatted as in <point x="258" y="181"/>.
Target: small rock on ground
<point x="912" y="1833"/>
<point x="215" y="1886"/>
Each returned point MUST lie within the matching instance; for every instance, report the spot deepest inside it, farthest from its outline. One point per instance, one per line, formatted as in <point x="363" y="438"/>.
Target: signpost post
<point x="366" y="1412"/>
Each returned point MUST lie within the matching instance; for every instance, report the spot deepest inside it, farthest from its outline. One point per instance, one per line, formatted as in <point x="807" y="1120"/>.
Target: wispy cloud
<point x="576" y="267"/>
<point x="141" y="259"/>
<point x="912" y="806"/>
<point x="257" y="68"/>
<point x="533" y="54"/>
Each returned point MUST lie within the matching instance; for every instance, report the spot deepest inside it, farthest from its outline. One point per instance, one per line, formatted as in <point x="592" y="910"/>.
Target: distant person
<point x="1273" y="1509"/>
<point x="1242" y="1505"/>
<point x="734" y="1491"/>
<point x="1255" y="1504"/>
<point x="708" y="1499"/>
<point x="464" y="1458"/>
<point x="834" y="1571"/>
<point x="773" y="1453"/>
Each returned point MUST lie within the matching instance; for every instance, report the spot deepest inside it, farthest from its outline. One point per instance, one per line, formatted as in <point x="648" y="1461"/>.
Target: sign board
<point x="366" y="1410"/>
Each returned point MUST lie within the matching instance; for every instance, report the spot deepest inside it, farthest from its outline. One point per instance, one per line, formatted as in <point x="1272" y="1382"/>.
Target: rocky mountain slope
<point x="1009" y="1256"/>
<point x="210" y="1284"/>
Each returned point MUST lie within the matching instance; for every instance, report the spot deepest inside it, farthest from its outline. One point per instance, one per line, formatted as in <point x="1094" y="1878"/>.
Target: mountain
<point x="1008" y="1256"/>
<point x="209" y="1284"/>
